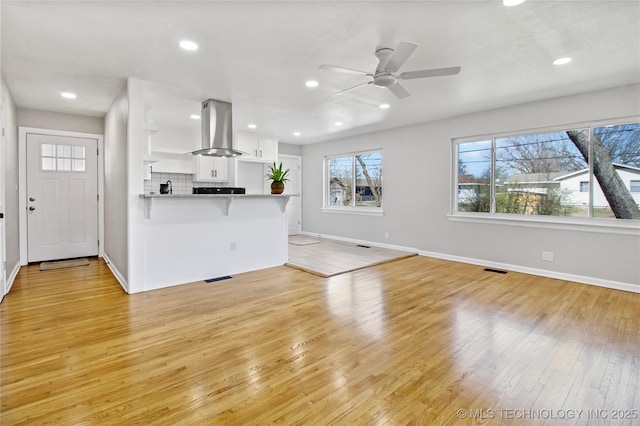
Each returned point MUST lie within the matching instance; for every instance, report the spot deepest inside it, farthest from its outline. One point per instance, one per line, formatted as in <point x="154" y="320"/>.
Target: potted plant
<point x="279" y="177"/>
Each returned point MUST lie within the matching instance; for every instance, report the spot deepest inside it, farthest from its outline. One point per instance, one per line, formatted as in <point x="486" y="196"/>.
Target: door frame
<point x="299" y="158"/>
<point x="22" y="184"/>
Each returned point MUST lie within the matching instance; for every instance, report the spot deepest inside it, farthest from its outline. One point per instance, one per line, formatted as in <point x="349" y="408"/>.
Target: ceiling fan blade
<point x="343" y="70"/>
<point x="437" y="72"/>
<point x="400" y="56"/>
<point x="399" y="91"/>
<point x="352" y="87"/>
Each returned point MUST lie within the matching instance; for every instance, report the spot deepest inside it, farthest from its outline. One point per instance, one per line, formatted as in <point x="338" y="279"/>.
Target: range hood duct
<point x="217" y="133"/>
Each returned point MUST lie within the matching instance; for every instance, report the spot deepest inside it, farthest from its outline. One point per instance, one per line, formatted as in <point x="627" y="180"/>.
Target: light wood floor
<point x="407" y="342"/>
<point x="329" y="257"/>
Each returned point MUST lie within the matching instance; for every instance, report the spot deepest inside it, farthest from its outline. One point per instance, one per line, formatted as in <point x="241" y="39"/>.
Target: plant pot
<point x="277" y="187"/>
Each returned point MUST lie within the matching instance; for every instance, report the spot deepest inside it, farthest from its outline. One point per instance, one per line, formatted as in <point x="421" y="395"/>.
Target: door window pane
<point x="48" y="164"/>
<point x="77" y="165"/>
<point x="48" y="150"/>
<point x="78" y="152"/>
<point x="64" y="164"/>
<point x="64" y="151"/>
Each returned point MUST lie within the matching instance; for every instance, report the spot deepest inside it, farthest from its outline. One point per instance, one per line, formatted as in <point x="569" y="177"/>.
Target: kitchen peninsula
<point x="194" y="237"/>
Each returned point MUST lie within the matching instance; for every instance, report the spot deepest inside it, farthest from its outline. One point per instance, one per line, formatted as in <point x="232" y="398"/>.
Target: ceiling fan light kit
<point x="389" y="62"/>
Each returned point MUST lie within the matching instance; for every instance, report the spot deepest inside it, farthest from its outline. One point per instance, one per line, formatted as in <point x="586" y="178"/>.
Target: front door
<point x="293" y="187"/>
<point x="62" y="197"/>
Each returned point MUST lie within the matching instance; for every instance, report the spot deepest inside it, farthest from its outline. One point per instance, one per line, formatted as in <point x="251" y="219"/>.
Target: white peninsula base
<point x="193" y="238"/>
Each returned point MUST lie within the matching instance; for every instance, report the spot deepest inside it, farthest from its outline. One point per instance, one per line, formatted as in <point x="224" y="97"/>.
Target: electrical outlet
<point x="232" y="246"/>
<point x="386" y="234"/>
<point x="547" y="256"/>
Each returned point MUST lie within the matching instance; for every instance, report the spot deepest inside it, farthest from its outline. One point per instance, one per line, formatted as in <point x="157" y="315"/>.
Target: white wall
<point x="59" y="121"/>
<point x="136" y="148"/>
<point x="11" y="212"/>
<point x="115" y="188"/>
<point x="289" y="149"/>
<point x="417" y="194"/>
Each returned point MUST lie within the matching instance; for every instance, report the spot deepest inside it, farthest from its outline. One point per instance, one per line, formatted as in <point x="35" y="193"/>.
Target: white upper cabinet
<point x="257" y="147"/>
<point x="211" y="169"/>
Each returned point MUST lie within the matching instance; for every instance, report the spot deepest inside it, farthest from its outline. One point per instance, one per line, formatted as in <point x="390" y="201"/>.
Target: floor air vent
<point x="213" y="280"/>
<point x="360" y="245"/>
<point x="497" y="271"/>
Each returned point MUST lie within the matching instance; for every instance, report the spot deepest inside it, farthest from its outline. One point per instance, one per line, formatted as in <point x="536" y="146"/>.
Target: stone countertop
<point x="216" y="195"/>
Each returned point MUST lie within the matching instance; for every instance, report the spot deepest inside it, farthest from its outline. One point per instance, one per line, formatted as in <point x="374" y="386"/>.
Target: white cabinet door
<point x="258" y="147"/>
<point x="211" y="169"/>
<point x="267" y="149"/>
<point x="248" y="143"/>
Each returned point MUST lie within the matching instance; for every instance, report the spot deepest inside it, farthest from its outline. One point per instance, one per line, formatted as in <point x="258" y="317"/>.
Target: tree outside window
<point x="550" y="173"/>
<point x="355" y="180"/>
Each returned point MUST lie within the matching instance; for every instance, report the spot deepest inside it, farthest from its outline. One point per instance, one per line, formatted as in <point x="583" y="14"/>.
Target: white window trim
<point x="591" y="224"/>
<point x="365" y="211"/>
<point x="597" y="225"/>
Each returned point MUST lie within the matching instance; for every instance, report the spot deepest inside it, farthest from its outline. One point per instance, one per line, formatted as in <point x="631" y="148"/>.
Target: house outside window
<point x="548" y="173"/>
<point x="354" y="181"/>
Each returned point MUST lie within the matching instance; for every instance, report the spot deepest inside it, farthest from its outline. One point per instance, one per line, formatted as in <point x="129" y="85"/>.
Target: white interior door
<point x="62" y="197"/>
<point x="293" y="187"/>
<point x="3" y="257"/>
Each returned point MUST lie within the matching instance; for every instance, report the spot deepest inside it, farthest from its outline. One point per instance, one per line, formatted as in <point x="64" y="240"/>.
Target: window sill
<point x="607" y="226"/>
<point x="357" y="211"/>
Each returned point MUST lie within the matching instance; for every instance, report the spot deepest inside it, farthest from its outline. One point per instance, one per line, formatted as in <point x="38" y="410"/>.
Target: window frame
<point x="606" y="224"/>
<point x="353" y="209"/>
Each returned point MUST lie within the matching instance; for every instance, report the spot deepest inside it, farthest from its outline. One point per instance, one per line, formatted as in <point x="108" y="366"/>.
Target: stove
<point x="217" y="190"/>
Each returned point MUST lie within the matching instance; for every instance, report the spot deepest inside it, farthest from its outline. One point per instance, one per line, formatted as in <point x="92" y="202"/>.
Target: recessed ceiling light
<point x="68" y="95"/>
<point x="252" y="126"/>
<point x="338" y="123"/>
<point x="383" y="106"/>
<point x="296" y="133"/>
<point x="311" y="83"/>
<point x="195" y="117"/>
<point x="188" y="45"/>
<point x="562" y="61"/>
<point x="512" y="2"/>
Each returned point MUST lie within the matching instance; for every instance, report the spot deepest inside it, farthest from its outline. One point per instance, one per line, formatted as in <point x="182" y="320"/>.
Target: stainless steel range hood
<point x="217" y="133"/>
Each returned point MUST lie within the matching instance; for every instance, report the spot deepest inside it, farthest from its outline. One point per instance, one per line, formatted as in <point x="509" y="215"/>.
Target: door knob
<point x="31" y="208"/>
<point x="31" y="199"/>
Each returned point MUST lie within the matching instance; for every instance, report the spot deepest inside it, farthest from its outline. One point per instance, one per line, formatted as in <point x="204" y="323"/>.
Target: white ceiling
<point x="258" y="55"/>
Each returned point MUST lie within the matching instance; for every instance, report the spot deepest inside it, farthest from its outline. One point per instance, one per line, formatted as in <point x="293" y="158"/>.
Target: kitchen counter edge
<point x="216" y="195"/>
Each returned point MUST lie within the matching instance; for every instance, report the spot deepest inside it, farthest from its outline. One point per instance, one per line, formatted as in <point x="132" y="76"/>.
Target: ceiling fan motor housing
<point x="384" y="80"/>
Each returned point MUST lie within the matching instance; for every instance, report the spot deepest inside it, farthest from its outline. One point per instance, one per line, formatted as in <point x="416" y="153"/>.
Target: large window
<point x="354" y="180"/>
<point x="550" y="173"/>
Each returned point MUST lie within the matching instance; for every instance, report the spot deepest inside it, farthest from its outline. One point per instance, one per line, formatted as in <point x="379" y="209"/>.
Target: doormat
<point x="301" y="240"/>
<point x="45" y="266"/>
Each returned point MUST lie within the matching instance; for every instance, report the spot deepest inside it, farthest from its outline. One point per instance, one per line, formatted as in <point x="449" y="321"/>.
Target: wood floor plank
<point x="407" y="342"/>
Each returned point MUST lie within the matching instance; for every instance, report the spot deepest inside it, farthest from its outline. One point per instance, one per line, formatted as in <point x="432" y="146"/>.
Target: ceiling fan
<point x="390" y="61"/>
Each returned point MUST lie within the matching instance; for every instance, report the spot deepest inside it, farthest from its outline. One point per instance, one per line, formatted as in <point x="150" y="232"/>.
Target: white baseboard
<point x="116" y="273"/>
<point x="616" y="285"/>
<point x="12" y="276"/>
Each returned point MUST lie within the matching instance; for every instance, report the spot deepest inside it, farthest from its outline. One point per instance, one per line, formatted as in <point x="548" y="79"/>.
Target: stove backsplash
<point x="181" y="183"/>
